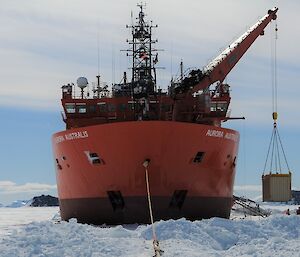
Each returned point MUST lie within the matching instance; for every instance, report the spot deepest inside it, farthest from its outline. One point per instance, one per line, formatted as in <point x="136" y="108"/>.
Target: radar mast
<point x="143" y="81"/>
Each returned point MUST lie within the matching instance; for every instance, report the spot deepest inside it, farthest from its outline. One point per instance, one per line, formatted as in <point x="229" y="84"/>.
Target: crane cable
<point x="157" y="251"/>
<point x="275" y="138"/>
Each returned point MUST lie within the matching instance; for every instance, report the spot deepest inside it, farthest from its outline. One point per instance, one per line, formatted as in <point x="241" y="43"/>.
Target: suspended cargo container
<point x="277" y="187"/>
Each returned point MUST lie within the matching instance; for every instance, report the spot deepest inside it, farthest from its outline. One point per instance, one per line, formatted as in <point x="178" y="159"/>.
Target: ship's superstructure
<point x="108" y="136"/>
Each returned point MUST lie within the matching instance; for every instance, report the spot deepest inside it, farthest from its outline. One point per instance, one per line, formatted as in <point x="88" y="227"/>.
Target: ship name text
<point x="221" y="134"/>
<point x="71" y="136"/>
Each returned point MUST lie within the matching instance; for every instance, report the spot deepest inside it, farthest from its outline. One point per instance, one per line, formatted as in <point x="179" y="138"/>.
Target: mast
<point x="143" y="80"/>
<point x="181" y="71"/>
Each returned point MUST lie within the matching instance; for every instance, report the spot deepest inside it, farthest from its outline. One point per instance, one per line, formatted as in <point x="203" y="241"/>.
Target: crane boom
<point x="218" y="69"/>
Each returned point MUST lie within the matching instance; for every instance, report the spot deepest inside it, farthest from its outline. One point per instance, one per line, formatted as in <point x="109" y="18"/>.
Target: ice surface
<point x="19" y="203"/>
<point x="12" y="218"/>
<point x="277" y="235"/>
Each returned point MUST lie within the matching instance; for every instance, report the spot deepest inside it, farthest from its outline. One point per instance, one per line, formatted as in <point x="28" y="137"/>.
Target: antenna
<point x="171" y="58"/>
<point x="113" y="68"/>
<point x="98" y="51"/>
<point x="98" y="48"/>
<point x="141" y="5"/>
<point x="181" y="70"/>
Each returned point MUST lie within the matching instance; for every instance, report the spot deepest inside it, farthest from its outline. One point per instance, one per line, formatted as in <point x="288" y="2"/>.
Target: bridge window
<point x="122" y="107"/>
<point x="70" y="108"/>
<point x="221" y="107"/>
<point x="111" y="107"/>
<point x="102" y="106"/>
<point x="218" y="106"/>
<point x="93" y="108"/>
<point x="81" y="108"/>
<point x="213" y="107"/>
<point x="165" y="107"/>
<point x="131" y="106"/>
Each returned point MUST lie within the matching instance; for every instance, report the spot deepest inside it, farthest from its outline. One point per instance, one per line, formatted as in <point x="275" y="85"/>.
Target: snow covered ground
<point x="15" y="218"/>
<point x="30" y="232"/>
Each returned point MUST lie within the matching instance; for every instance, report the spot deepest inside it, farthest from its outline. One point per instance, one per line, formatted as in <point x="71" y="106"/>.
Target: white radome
<point x="82" y="82"/>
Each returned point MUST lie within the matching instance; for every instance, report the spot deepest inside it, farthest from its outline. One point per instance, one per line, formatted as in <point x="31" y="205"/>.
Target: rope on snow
<point x="157" y="251"/>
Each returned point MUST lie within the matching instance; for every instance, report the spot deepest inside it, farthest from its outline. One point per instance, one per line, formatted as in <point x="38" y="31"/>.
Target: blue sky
<point x="45" y="44"/>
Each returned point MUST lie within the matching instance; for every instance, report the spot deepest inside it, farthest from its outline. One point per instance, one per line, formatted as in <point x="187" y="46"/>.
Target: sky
<point x="47" y="43"/>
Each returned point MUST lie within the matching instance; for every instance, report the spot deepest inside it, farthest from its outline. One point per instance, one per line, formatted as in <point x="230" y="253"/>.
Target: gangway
<point x="250" y="207"/>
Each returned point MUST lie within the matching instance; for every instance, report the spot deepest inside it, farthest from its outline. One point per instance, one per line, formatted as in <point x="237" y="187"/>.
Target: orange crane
<point x="183" y="88"/>
<point x="218" y="69"/>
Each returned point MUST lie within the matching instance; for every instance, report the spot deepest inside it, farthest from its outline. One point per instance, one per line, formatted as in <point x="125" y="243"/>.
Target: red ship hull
<point x="113" y="189"/>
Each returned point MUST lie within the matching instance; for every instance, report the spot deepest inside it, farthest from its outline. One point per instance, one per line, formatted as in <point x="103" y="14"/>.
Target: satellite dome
<point x="82" y="82"/>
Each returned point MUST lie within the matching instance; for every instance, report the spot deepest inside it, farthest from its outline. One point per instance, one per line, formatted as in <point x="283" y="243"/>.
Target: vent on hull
<point x="116" y="200"/>
<point x="198" y="157"/>
<point x="178" y="198"/>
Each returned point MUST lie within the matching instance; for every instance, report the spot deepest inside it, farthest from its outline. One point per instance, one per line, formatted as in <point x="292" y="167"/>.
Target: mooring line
<point x="157" y="251"/>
